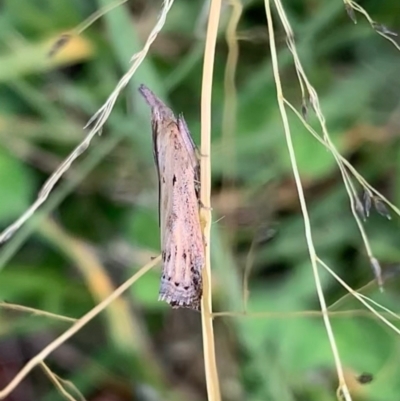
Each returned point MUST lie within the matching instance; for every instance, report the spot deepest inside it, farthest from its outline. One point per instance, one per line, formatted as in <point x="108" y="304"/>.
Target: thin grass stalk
<point x="79" y="324"/>
<point x="58" y="384"/>
<point x="213" y="390"/>
<point x="36" y="312"/>
<point x="307" y="224"/>
<point x="98" y="120"/>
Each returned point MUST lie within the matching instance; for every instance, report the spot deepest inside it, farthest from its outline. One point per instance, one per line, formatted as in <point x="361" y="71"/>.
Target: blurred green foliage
<point x="100" y="224"/>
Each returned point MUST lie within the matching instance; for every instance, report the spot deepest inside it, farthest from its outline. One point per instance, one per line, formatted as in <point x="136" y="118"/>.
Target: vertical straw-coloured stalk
<point x="210" y="363"/>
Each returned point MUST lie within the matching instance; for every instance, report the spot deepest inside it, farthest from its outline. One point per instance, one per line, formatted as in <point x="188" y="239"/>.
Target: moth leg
<point x="201" y="204"/>
<point x="199" y="154"/>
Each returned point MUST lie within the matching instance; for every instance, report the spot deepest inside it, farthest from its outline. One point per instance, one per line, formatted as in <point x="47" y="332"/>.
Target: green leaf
<point x="16" y="187"/>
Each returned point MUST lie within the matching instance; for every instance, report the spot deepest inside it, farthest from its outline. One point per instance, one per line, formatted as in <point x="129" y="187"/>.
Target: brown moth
<point x="179" y="179"/>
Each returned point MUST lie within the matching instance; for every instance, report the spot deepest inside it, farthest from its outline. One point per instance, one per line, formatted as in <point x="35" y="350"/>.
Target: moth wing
<point x="188" y="141"/>
<point x="161" y="116"/>
<point x="166" y="170"/>
<point x="191" y="150"/>
<point x="164" y="159"/>
<point x="182" y="245"/>
<point x="178" y="172"/>
<point x="156" y="156"/>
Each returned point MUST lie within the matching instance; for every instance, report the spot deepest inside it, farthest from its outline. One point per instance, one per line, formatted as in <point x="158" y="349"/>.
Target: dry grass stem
<point x="310" y="95"/>
<point x="89" y="264"/>
<point x="42" y="355"/>
<point x="360" y="297"/>
<point x="213" y="390"/>
<point x="58" y="383"/>
<point x="98" y="120"/>
<point x="351" y="313"/>
<point x="380" y="29"/>
<point x="37" y="312"/>
<point x="308" y="231"/>
<point x="363" y="182"/>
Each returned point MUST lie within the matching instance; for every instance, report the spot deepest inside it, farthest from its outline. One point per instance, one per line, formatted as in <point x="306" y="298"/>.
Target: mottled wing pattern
<point x="181" y="235"/>
<point x="181" y="238"/>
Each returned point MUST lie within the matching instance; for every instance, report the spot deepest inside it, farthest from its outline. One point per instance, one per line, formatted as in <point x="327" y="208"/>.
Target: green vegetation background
<point x="100" y="224"/>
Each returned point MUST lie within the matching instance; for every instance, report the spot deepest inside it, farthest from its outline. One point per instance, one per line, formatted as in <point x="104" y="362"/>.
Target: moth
<point x="178" y="171"/>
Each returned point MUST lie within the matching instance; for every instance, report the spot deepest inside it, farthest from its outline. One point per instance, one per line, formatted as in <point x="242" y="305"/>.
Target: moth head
<point x="159" y="110"/>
